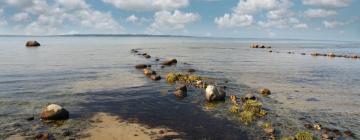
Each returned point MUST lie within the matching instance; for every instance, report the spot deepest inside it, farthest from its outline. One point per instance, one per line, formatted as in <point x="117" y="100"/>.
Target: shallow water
<point x="90" y="74"/>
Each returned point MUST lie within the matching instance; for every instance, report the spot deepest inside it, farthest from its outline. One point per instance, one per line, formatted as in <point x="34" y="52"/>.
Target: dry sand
<point x="107" y="127"/>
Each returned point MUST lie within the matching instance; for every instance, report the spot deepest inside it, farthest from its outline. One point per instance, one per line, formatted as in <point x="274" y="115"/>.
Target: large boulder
<point x="213" y="93"/>
<point x="169" y="62"/>
<point x="54" y="112"/>
<point x="181" y="91"/>
<point x="32" y="43"/>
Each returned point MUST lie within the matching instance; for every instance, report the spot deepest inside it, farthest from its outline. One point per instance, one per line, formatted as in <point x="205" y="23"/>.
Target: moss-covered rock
<point x="171" y="77"/>
<point x="252" y="106"/>
<point x="247" y="117"/>
<point x="303" y="135"/>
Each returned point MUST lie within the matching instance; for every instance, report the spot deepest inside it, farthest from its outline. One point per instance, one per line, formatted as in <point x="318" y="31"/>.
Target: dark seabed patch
<point x="149" y="106"/>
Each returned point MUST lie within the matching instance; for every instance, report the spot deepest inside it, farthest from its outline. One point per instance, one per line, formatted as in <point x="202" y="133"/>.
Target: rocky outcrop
<point x="54" y="112"/>
<point x="213" y="93"/>
<point x="32" y="43"/>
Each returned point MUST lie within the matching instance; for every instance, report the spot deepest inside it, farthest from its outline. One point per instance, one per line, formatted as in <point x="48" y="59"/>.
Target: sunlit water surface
<point x="65" y="70"/>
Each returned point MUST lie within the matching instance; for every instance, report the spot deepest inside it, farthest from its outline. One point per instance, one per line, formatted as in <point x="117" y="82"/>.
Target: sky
<point x="297" y="19"/>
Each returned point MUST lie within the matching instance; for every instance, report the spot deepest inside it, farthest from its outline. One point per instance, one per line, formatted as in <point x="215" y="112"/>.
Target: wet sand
<point x="106" y="126"/>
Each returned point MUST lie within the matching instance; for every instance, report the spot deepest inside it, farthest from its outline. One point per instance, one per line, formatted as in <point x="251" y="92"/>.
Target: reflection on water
<point x="66" y="69"/>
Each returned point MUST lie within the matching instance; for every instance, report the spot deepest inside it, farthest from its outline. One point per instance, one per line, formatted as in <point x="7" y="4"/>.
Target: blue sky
<point x="303" y="19"/>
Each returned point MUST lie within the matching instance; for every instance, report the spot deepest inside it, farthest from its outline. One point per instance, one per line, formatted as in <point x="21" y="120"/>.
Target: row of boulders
<point x="259" y="46"/>
<point x="32" y="43"/>
<point x="334" y="55"/>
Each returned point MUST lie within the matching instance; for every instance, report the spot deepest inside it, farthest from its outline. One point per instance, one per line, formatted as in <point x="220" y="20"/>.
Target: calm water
<point x="91" y="74"/>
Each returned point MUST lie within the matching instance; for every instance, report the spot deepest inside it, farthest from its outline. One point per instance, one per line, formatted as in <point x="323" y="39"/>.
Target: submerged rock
<point x="181" y="91"/>
<point x="264" y="91"/>
<point x="32" y="43"/>
<point x="303" y="53"/>
<point x="141" y="66"/>
<point x="213" y="93"/>
<point x="191" y="70"/>
<point x="169" y="62"/>
<point x="147" y="56"/>
<point x="54" y="112"/>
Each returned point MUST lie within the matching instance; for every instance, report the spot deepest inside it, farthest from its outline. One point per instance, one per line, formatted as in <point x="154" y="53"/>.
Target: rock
<point x="254" y="46"/>
<point x="30" y="118"/>
<point x="200" y="84"/>
<point x="314" y="54"/>
<point x="54" y="112"/>
<point x="141" y="66"/>
<point x="248" y="96"/>
<point x="169" y="62"/>
<point x="262" y="47"/>
<point x="157" y="59"/>
<point x="233" y="99"/>
<point x="337" y="132"/>
<point x="317" y="126"/>
<point x="149" y="72"/>
<point x="213" y="93"/>
<point x="270" y="51"/>
<point x="269" y="47"/>
<point x="181" y="91"/>
<point x="42" y="136"/>
<point x="155" y="77"/>
<point x="134" y="51"/>
<point x="32" y="43"/>
<point x="348" y="133"/>
<point x="269" y="130"/>
<point x="303" y="53"/>
<point x="265" y="91"/>
<point x="147" y="56"/>
<point x="191" y="70"/>
<point x="354" y="56"/>
<point x="144" y="54"/>
<point x="331" y="55"/>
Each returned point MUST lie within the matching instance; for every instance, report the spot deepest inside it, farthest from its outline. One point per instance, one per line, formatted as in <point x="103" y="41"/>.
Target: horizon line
<point x="169" y="35"/>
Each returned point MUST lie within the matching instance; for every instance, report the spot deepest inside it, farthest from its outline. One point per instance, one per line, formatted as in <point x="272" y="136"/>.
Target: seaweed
<point x="303" y="135"/>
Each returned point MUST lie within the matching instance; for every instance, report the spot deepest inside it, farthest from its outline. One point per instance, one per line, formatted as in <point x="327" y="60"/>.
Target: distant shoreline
<point x="177" y="36"/>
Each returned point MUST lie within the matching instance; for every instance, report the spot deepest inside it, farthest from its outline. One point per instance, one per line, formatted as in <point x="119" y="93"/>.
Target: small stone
<point x="303" y="53"/>
<point x="169" y="62"/>
<point x="233" y="99"/>
<point x="308" y="126"/>
<point x="161" y="132"/>
<point x="213" y="93"/>
<point x="265" y="91"/>
<point x="191" y="70"/>
<point x="181" y="91"/>
<point x="149" y="72"/>
<point x="269" y="130"/>
<point x="155" y="77"/>
<point x="157" y="59"/>
<point x="32" y="43"/>
<point x="147" y="56"/>
<point x="140" y="66"/>
<point x="348" y="133"/>
<point x="271" y="51"/>
<point x="331" y="55"/>
<point x="248" y="96"/>
<point x="30" y="118"/>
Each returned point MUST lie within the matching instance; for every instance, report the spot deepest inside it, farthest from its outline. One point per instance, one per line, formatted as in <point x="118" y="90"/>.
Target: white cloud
<point x="148" y="5"/>
<point x="165" y="20"/>
<point x="2" y="20"/>
<point x="234" y="20"/>
<point x="319" y="13"/>
<point x="21" y="17"/>
<point x="301" y="26"/>
<point x="61" y="16"/>
<point x="252" y="6"/>
<point x="332" y="24"/>
<point x="327" y="3"/>
<point x="132" y="19"/>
